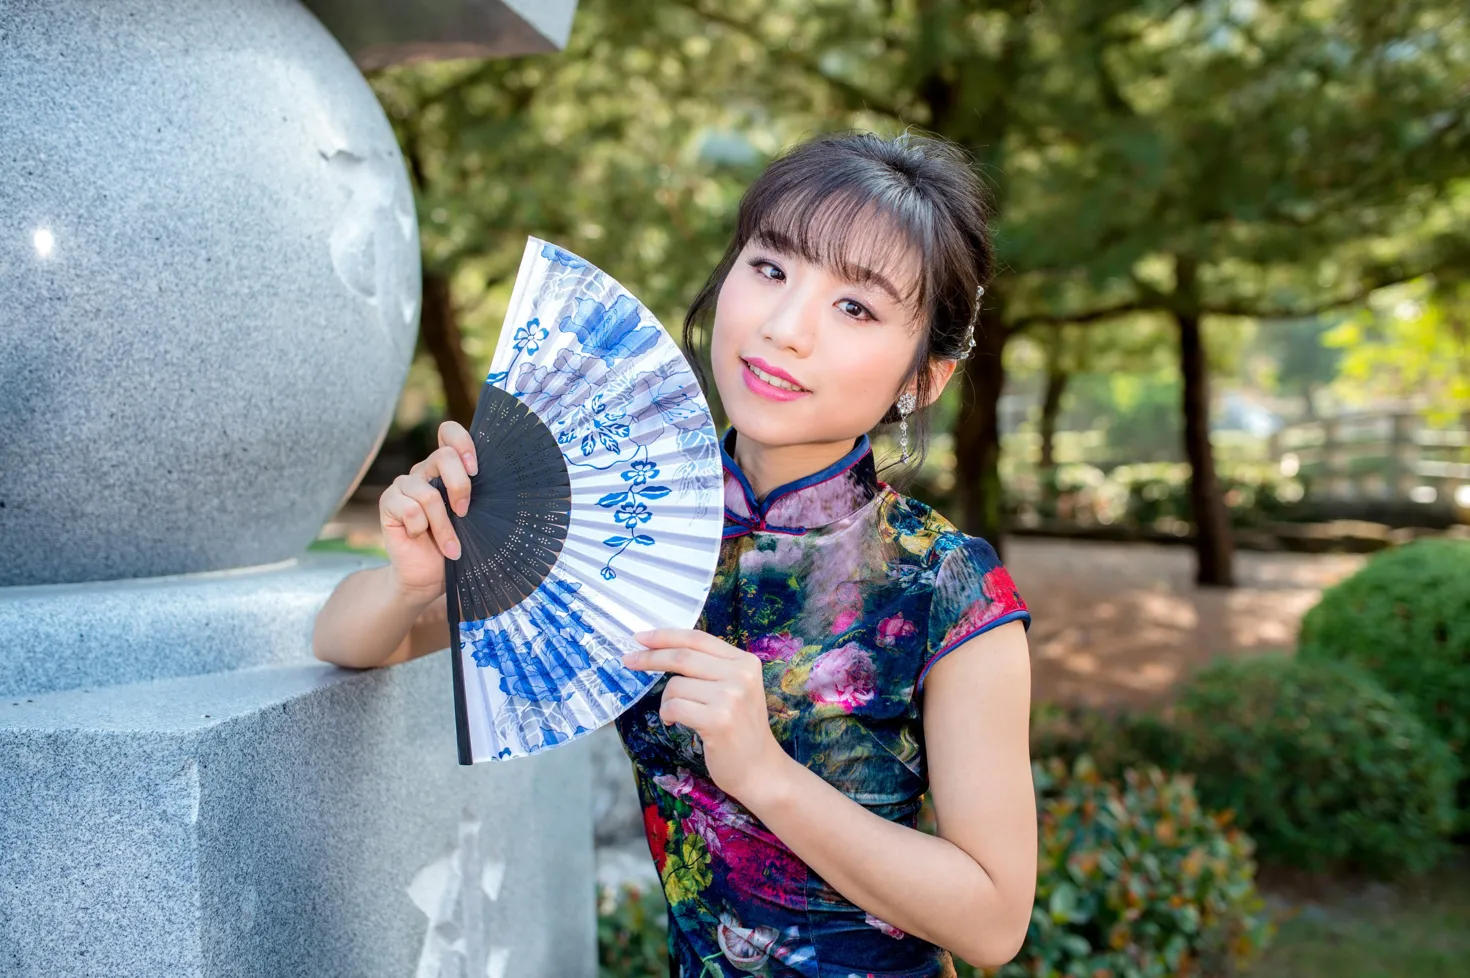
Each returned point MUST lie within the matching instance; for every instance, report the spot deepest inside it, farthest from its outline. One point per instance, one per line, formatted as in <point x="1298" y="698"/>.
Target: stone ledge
<point x="282" y="821"/>
<point x="68" y="636"/>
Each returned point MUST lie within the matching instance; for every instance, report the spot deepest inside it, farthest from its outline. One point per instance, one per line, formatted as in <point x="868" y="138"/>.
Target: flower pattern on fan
<point x="610" y="332"/>
<point x="544" y="667"/>
<point x="528" y="339"/>
<point x="631" y="510"/>
<point x="562" y="257"/>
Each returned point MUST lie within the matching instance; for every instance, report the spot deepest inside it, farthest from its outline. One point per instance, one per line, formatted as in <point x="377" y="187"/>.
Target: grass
<point x="338" y="545"/>
<point x="1415" y="929"/>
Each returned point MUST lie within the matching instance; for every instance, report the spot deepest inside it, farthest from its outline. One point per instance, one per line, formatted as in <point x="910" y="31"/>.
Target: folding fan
<point x="596" y="511"/>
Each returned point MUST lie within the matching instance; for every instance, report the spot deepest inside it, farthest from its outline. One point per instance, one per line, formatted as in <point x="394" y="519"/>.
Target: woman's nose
<point x="792" y="323"/>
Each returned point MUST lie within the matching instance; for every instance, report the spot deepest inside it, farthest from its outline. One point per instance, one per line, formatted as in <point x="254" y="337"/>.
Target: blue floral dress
<point x="848" y="592"/>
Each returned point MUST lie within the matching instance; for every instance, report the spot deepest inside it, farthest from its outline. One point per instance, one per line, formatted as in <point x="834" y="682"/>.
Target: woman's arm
<point x="372" y="620"/>
<point x="970" y="889"/>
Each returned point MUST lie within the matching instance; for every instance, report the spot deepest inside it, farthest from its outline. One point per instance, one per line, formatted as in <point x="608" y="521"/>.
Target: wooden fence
<point x="1378" y="456"/>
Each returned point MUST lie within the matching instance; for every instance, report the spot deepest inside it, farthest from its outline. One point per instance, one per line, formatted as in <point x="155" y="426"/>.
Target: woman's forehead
<point x="859" y="244"/>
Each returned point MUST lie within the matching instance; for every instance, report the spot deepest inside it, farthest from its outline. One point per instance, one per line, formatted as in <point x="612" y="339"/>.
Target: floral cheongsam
<point x="848" y="592"/>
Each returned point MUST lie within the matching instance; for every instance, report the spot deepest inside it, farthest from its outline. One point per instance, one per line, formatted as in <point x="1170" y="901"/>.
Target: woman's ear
<point x="940" y="371"/>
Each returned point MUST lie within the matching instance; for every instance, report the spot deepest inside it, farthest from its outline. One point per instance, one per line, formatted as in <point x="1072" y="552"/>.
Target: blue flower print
<point x="611" y="333"/>
<point x="527" y="339"/>
<point x="631" y="514"/>
<point x="543" y="670"/>
<point x="561" y="257"/>
<point x="641" y="472"/>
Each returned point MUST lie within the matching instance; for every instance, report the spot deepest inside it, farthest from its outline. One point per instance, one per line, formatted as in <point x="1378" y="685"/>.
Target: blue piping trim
<point x="860" y="450"/>
<point x="1020" y="614"/>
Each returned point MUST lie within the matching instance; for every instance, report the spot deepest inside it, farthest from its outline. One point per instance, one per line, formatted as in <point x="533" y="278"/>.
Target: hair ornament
<point x="970" y="328"/>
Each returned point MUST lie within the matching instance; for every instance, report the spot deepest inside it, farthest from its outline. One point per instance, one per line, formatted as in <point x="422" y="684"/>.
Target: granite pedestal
<point x="209" y="294"/>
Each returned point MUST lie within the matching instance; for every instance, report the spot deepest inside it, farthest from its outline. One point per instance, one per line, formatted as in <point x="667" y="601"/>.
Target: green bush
<point x="1320" y="764"/>
<point x="1136" y="879"/>
<point x="1114" y="741"/>
<point x="632" y="933"/>
<point x="1406" y="618"/>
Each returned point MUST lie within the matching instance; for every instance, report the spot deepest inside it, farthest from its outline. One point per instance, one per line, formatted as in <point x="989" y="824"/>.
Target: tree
<point x="1191" y="158"/>
<point x="1276" y="159"/>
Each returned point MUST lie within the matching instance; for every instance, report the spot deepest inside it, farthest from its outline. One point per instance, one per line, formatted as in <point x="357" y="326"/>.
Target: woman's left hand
<point x="717" y="691"/>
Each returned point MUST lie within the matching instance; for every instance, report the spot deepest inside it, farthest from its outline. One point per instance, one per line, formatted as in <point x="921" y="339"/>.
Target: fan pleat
<point x="618" y="607"/>
<point x="673" y="596"/>
<point x="643" y="557"/>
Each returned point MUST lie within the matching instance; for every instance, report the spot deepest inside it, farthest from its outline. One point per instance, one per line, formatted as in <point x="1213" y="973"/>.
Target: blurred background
<point x="1218" y="420"/>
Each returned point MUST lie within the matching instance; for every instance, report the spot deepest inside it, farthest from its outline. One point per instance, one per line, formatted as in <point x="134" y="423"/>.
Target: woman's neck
<point x="770" y="467"/>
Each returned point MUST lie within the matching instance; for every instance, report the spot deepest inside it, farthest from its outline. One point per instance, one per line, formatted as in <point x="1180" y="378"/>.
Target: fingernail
<point x="452" y="549"/>
<point x="641" y="636"/>
<point x="470" y="465"/>
<point x="462" y="507"/>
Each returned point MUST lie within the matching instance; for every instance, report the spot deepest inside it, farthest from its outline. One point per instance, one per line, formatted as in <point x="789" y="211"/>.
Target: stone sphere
<point x="209" y="285"/>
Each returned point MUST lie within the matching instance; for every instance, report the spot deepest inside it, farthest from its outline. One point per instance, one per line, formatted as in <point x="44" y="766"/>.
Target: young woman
<point x="856" y="650"/>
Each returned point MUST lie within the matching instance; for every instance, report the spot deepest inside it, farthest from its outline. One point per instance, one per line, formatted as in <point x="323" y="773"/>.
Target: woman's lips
<point x="767" y="390"/>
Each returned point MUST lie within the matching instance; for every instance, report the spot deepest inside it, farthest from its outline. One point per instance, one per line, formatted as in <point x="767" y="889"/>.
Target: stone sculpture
<point x="209" y="289"/>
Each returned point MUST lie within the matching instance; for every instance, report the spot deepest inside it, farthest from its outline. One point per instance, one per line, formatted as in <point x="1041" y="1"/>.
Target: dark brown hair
<point x="913" y="193"/>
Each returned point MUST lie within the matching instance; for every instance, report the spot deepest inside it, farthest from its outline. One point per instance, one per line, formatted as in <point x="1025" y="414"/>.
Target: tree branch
<point x="1078" y="318"/>
<point x="1153" y="300"/>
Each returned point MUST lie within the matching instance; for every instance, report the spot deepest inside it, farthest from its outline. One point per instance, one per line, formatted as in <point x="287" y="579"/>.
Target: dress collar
<point x="819" y="499"/>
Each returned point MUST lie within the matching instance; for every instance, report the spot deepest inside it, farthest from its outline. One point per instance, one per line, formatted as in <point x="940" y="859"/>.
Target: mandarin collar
<point x="819" y="499"/>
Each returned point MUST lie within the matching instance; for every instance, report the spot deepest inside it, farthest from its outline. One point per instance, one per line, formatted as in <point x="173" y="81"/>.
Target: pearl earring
<point x="906" y="404"/>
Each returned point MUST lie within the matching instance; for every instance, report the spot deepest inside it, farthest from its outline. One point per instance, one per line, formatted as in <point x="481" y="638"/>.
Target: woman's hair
<point x="855" y="201"/>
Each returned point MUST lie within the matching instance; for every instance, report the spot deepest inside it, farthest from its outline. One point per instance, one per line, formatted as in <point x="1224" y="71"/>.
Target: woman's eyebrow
<point x="852" y="271"/>
<point x="863" y="275"/>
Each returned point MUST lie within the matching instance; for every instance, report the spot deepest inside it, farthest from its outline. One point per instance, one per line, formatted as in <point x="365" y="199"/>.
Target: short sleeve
<point x="973" y="593"/>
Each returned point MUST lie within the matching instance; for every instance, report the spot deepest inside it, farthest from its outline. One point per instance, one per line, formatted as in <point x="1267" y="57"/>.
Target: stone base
<point x="286" y="820"/>
<point x="185" y="791"/>
<point x="69" y="636"/>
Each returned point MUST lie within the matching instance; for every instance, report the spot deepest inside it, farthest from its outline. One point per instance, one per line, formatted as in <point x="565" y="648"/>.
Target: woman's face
<point x="847" y="346"/>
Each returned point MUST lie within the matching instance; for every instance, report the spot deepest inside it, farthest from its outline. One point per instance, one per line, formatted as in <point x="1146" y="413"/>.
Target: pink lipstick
<point x="755" y="367"/>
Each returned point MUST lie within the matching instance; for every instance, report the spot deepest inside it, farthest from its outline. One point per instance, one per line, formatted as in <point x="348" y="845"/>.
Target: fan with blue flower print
<point x="596" y="512"/>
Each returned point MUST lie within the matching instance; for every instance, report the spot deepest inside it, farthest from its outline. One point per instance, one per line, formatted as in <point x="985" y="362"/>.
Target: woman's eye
<point x="854" y="308"/>
<point x="767" y="270"/>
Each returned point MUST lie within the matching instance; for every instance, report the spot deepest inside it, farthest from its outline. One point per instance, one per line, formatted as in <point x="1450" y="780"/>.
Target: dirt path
<point x="1118" y="624"/>
<point x="1123" y="623"/>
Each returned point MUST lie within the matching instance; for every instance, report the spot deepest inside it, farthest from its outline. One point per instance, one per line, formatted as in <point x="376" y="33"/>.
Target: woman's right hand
<point x="416" y="529"/>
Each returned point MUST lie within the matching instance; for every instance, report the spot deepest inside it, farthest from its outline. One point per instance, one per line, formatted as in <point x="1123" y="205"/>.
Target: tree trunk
<point x="1213" y="545"/>
<point x="1051" y="406"/>
<point x="981" y="503"/>
<point x="440" y="329"/>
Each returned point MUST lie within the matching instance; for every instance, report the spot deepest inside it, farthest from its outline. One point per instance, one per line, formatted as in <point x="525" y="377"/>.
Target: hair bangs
<point x="872" y="232"/>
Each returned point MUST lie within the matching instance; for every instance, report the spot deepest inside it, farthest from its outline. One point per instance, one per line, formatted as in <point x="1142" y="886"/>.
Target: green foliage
<point x="1413" y="344"/>
<point x="1320" y="764"/>
<point x="632" y="933"/>
<point x="1115" y="741"/>
<point x="1146" y="423"/>
<point x="1406" y="617"/>
<point x="338" y="545"/>
<point x="1136" y="879"/>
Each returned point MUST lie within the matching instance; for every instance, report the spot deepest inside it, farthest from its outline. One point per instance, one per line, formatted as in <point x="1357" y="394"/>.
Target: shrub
<point x="1136" y="878"/>
<point x="632" y="933"/>
<point x="1406" y="618"/>
<point x="1320" y="764"/>
<point x="1114" y="741"/>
